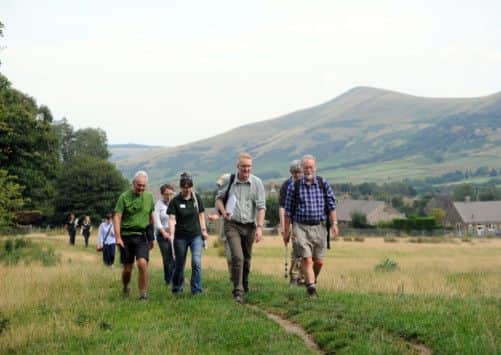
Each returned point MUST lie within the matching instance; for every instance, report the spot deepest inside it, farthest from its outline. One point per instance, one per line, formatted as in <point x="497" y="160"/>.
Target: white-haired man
<point x="133" y="216"/>
<point x="308" y="203"/>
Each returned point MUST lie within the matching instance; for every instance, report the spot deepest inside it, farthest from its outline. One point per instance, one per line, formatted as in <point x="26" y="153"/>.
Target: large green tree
<point x="28" y="146"/>
<point x="88" y="186"/>
<point x="10" y="199"/>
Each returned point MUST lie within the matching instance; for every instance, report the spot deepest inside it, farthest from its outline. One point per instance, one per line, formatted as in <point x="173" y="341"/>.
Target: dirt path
<point x="292" y="328"/>
<point x="296" y="329"/>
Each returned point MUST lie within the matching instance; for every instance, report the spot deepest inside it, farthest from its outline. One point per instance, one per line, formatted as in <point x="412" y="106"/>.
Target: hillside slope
<point x="365" y="134"/>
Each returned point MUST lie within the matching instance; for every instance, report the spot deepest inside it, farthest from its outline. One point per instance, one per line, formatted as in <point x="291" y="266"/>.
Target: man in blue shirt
<point x="307" y="210"/>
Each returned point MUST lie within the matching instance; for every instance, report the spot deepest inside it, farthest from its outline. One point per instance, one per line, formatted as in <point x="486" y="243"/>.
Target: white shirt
<point x="103" y="230"/>
<point x="160" y="217"/>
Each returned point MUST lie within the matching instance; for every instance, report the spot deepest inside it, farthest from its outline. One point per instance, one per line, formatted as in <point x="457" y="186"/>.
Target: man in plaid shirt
<point x="307" y="211"/>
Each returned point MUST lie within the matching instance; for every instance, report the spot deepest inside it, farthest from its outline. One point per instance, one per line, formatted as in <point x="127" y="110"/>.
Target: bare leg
<point x="142" y="266"/>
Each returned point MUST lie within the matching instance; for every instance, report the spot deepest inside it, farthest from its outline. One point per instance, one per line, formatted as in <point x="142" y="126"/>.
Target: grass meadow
<point x="443" y="298"/>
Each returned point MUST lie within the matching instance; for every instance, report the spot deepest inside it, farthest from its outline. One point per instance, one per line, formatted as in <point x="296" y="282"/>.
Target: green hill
<point x="365" y="134"/>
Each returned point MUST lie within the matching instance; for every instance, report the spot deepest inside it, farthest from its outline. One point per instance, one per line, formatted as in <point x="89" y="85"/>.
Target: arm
<point x="334" y="225"/>
<point x="158" y="222"/>
<point x="220" y="207"/>
<point x="152" y="222"/>
<point x="259" y="227"/>
<point x="281" y="216"/>
<point x="201" y="219"/>
<point x="117" y="220"/>
<point x="172" y="226"/>
<point x="287" y="229"/>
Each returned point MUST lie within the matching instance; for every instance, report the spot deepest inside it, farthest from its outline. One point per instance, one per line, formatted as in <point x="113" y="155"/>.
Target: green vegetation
<point x="386" y="265"/>
<point x="77" y="307"/>
<point x="14" y="250"/>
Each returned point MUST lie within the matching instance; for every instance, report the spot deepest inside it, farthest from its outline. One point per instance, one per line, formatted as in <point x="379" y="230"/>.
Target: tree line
<point x="47" y="168"/>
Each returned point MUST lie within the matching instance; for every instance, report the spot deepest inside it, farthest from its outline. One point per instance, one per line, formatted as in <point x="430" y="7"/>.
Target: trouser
<point x="86" y="235"/>
<point x="240" y="239"/>
<point x="109" y="254"/>
<point x="71" y="234"/>
<point x="181" y="246"/>
<point x="167" y="257"/>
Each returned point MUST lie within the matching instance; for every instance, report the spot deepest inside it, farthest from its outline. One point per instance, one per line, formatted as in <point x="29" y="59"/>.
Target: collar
<point x="238" y="181"/>
<point x="314" y="182"/>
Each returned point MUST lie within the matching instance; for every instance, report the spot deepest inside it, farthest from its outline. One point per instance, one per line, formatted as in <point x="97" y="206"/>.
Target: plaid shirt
<point x="311" y="204"/>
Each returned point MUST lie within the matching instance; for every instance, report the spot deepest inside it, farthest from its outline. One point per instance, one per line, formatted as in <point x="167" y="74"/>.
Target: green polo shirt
<point x="135" y="211"/>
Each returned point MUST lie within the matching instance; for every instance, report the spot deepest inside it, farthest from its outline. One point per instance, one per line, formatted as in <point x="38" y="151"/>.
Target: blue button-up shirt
<point x="311" y="204"/>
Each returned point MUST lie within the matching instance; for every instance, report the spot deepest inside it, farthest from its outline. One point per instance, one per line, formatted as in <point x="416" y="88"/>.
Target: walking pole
<point x="286" y="256"/>
<point x="172" y="249"/>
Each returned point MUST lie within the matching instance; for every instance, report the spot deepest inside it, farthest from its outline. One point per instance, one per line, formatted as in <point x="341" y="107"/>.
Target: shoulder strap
<point x="321" y="183"/>
<point x="107" y="233"/>
<point x="195" y="201"/>
<point x="226" y="194"/>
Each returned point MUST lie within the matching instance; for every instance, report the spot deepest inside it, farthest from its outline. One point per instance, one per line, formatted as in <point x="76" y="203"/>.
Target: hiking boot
<point x="238" y="298"/>
<point x="312" y="292"/>
<point x="246" y="288"/>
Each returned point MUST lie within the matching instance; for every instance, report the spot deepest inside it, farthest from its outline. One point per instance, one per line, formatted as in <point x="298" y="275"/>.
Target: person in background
<point x="221" y="182"/>
<point x="133" y="217"/>
<point x="187" y="224"/>
<point x="162" y="231"/>
<point x="71" y="227"/>
<point x="86" y="229"/>
<point x="243" y="221"/>
<point x="106" y="240"/>
<point x="296" y="276"/>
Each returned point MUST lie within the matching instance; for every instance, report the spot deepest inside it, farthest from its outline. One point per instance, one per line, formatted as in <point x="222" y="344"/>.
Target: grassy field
<point x="444" y="297"/>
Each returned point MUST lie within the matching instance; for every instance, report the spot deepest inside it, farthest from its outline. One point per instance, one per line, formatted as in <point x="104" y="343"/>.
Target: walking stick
<point x="172" y="249"/>
<point x="286" y="256"/>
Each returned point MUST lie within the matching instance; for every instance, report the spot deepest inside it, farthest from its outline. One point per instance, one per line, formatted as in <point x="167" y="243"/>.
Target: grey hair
<point x="307" y="157"/>
<point x="140" y="173"/>
<point x="294" y="166"/>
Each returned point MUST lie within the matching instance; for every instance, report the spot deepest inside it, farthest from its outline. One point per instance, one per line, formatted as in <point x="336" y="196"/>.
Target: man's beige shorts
<point x="310" y="241"/>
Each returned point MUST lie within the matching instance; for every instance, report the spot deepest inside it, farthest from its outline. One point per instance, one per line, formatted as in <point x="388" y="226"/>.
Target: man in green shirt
<point x="133" y="215"/>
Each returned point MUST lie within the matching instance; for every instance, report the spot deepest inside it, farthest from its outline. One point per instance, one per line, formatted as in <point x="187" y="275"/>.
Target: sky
<point x="173" y="72"/>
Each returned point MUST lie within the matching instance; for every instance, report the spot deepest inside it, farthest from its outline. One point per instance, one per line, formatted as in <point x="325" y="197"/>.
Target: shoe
<point x="246" y="288"/>
<point x="239" y="299"/>
<point x="312" y="292"/>
<point x="143" y="297"/>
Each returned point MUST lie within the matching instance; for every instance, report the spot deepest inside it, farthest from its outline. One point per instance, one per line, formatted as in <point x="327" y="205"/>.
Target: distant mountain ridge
<point x="365" y="134"/>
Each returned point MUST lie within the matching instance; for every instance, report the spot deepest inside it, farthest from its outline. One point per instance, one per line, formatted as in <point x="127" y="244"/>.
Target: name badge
<point x="182" y="205"/>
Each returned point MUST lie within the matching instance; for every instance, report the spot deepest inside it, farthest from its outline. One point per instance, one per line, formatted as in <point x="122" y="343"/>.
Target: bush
<point x="390" y="240"/>
<point x="386" y="265"/>
<point x="358" y="220"/>
<point x="347" y="239"/>
<point x="359" y="239"/>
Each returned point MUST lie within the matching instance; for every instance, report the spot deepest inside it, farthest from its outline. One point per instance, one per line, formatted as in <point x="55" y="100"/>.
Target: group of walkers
<point x="72" y="225"/>
<point x="177" y="222"/>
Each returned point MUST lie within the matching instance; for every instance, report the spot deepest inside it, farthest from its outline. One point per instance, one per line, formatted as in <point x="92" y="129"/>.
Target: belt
<point x="244" y="224"/>
<point x="310" y="223"/>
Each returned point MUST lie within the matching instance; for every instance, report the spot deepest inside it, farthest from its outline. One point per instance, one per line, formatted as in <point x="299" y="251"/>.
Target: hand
<point x="165" y="235"/>
<point x="334" y="230"/>
<point x="259" y="234"/>
<point x="150" y="244"/>
<point x="120" y="242"/>
<point x="205" y="235"/>
<point x="227" y="216"/>
<point x="213" y="217"/>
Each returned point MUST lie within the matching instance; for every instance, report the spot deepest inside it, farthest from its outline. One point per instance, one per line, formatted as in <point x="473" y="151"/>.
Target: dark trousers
<point x="71" y="234"/>
<point x="240" y="239"/>
<point x="109" y="254"/>
<point x="167" y="258"/>
<point x="86" y="235"/>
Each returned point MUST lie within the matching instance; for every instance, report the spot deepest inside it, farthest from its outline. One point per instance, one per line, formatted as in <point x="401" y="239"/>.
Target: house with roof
<point x="375" y="211"/>
<point x="475" y="218"/>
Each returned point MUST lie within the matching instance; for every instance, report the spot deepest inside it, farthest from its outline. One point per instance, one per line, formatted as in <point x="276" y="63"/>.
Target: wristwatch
<point x="334" y="222"/>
